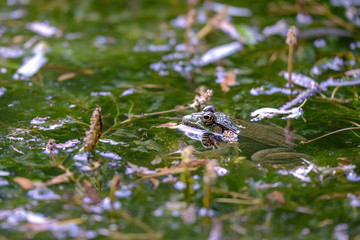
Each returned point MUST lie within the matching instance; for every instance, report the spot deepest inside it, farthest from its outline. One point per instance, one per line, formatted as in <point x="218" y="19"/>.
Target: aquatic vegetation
<point x="138" y="69"/>
<point x="291" y="40"/>
<point x="94" y="134"/>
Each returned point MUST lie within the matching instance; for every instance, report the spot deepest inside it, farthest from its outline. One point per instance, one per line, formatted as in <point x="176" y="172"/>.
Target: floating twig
<point x="328" y="134"/>
<point x="212" y="24"/>
<point x="134" y="117"/>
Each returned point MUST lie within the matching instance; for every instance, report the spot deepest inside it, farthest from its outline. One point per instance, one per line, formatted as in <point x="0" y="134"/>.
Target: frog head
<point x="210" y="126"/>
<point x="212" y="121"/>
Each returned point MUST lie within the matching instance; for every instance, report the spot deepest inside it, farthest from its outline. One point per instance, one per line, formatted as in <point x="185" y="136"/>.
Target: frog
<point x="263" y="143"/>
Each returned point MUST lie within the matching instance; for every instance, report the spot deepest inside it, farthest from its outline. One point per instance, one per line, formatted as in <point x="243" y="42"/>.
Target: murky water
<point x="60" y="59"/>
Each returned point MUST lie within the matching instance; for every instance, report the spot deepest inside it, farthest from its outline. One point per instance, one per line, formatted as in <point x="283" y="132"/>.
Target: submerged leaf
<point x="228" y="80"/>
<point x="59" y="179"/>
<point x="276" y="196"/>
<point x="24" y="183"/>
<point x="91" y="195"/>
<point x="66" y="76"/>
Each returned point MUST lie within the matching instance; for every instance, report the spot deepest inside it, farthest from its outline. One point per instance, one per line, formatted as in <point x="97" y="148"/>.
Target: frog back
<point x="267" y="135"/>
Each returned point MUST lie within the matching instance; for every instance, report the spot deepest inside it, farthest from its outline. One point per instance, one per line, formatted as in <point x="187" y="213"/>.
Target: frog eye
<point x="207" y="117"/>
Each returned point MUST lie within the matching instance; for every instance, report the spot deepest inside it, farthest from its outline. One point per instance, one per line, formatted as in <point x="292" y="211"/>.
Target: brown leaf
<point x="325" y="222"/>
<point x="276" y="196"/>
<point x="228" y="80"/>
<point x="155" y="181"/>
<point x="24" y="183"/>
<point x="59" y="179"/>
<point x="91" y="193"/>
<point x="91" y="166"/>
<point x="66" y="76"/>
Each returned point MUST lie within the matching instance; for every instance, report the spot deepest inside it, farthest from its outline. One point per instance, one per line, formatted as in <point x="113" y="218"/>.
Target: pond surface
<point x="129" y="59"/>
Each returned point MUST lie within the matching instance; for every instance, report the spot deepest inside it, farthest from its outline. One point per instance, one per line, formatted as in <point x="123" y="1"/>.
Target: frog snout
<point x="186" y="119"/>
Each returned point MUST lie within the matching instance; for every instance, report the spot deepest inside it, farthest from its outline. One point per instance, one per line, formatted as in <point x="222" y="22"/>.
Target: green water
<point x="277" y="206"/>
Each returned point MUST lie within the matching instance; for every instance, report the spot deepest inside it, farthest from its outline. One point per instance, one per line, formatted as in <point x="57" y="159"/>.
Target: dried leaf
<point x="228" y="80"/>
<point x="212" y="23"/>
<point x="24" y="183"/>
<point x="59" y="179"/>
<point x="91" y="193"/>
<point x="66" y="76"/>
<point x="91" y="167"/>
<point x="276" y="196"/>
<point x="155" y="181"/>
<point x="325" y="222"/>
